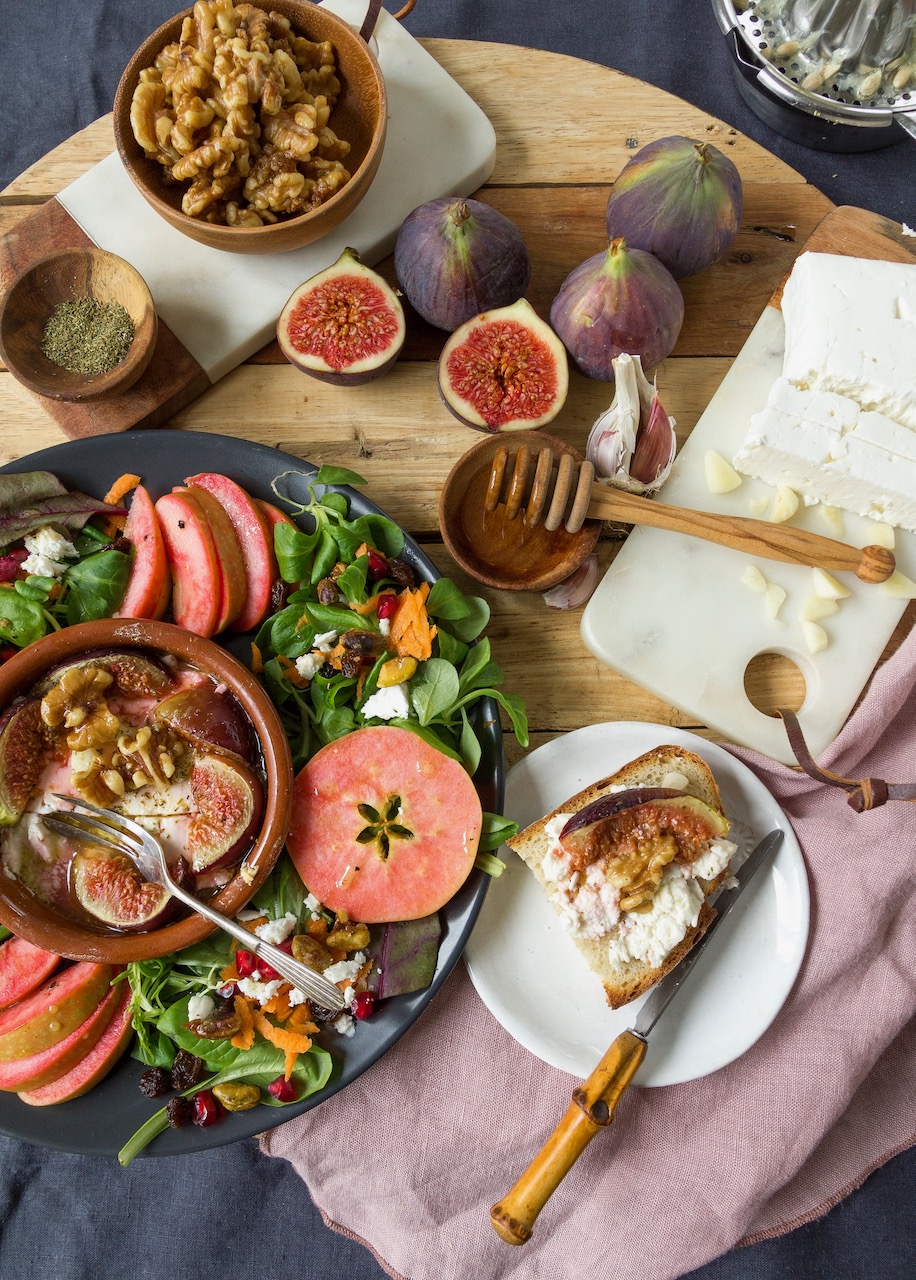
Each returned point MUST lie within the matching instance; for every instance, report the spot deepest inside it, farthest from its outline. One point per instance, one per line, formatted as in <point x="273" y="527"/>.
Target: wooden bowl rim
<point x="454" y="490"/>
<point x="42" y="926"/>
<point x="125" y="373"/>
<point x="232" y="239"/>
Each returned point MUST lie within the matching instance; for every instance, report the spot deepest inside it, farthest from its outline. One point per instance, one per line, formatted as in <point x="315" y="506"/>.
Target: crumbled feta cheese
<point x="47" y="549"/>
<point x="248" y="913"/>
<point x="344" y="1024"/>
<point x="254" y="989"/>
<point x="276" y="931"/>
<point x="200" y="1007"/>
<point x="312" y="905"/>
<point x="295" y="996"/>
<point x="309" y="665"/>
<point x="384" y="625"/>
<point x="326" y="640"/>
<point x="387" y="704"/>
<point x="675" y="780"/>
<point x="349" y="995"/>
<point x="345" y="970"/>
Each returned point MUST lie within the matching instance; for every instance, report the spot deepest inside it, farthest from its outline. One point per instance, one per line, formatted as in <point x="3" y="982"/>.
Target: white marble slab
<point x="223" y="306"/>
<point x="673" y="615"/>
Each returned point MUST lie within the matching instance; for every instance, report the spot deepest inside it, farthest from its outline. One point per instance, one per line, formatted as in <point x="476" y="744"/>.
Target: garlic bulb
<point x="632" y="444"/>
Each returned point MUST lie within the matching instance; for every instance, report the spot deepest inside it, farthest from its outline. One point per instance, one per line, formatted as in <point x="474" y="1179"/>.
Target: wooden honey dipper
<point x="596" y="501"/>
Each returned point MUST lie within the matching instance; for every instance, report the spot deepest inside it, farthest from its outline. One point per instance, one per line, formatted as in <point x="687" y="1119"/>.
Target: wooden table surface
<point x="564" y="129"/>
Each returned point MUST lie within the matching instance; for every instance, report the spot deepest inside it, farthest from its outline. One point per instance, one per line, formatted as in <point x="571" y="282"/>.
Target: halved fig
<point x="136" y="675"/>
<point x="110" y="888"/>
<point x="645" y="819"/>
<point x="210" y="718"/>
<point x="21" y="757"/>
<point x="345" y="325"/>
<point x="504" y="370"/>
<point x="228" y="800"/>
<point x="607" y="806"/>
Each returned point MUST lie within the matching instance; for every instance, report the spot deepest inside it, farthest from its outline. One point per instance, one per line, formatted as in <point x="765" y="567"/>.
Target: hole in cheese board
<point x="773" y="680"/>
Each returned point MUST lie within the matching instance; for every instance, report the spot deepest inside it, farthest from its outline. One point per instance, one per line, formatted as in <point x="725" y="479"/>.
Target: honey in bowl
<point x="152" y="738"/>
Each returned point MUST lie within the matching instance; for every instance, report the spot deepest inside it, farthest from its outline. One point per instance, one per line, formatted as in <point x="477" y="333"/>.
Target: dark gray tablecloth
<point x="230" y="1212"/>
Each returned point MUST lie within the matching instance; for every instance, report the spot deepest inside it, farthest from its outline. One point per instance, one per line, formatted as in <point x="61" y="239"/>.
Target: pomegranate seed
<point x="207" y="1110"/>
<point x="286" y="945"/>
<point x="282" y="1090"/>
<point x="246" y="962"/>
<point x="387" y="606"/>
<point x="227" y="990"/>
<point x="267" y="971"/>
<point x="378" y="565"/>
<point x="363" y="1005"/>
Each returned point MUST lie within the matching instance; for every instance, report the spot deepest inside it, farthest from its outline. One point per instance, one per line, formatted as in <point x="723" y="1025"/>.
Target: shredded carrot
<point x="244" y="1037"/>
<point x="279" y="1038"/>
<point x="257" y="660"/>
<point x="230" y="973"/>
<point x="278" y="1005"/>
<point x="411" y="632"/>
<point x="121" y="487"/>
<point x="288" y="667"/>
<point x="289" y="1063"/>
<point x="301" y="1020"/>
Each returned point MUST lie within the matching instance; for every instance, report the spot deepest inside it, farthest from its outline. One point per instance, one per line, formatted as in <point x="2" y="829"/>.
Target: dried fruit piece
<point x="622" y="300"/>
<point x="504" y="370"/>
<point x="344" y="325"/>
<point x="456" y="258"/>
<point x="679" y="200"/>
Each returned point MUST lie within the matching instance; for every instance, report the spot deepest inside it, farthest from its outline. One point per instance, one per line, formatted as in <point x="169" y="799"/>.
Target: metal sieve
<point x="831" y="63"/>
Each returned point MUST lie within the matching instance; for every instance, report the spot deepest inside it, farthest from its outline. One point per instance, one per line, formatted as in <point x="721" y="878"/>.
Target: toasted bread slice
<point x="665" y="766"/>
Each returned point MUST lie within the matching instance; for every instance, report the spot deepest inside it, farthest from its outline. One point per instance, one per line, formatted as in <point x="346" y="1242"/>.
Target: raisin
<point x="187" y="1070"/>
<point x="402" y="573"/>
<point x="365" y="644"/>
<point x="179" y="1111"/>
<point x="278" y="592"/>
<point x="327" y="670"/>
<point x="155" y="1082"/>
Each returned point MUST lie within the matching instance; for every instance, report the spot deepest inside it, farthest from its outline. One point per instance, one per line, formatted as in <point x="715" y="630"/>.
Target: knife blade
<point x="662" y="994"/>
<point x="594" y="1102"/>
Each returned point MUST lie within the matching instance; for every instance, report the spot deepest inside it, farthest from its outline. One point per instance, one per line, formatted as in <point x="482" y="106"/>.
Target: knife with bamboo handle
<point x="594" y="1102"/>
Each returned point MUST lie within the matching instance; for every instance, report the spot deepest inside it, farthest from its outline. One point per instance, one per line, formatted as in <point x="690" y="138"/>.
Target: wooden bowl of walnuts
<point x="249" y="129"/>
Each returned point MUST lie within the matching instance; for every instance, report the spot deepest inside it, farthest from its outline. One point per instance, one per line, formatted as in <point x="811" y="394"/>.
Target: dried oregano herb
<point x="87" y="336"/>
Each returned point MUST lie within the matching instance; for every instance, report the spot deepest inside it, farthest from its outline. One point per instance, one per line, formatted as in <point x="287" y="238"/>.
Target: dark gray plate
<point x="102" y="1120"/>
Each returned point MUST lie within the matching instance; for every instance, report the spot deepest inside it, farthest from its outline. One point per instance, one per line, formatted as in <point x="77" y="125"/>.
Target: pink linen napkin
<point x="409" y="1158"/>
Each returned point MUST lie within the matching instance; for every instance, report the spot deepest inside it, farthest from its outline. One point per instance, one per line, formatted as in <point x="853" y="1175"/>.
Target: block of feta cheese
<point x="851" y="328"/>
<point x="828" y="449"/>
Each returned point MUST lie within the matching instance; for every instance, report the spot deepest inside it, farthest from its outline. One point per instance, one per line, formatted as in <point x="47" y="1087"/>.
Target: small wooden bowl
<point x="65" y="277"/>
<point x="497" y="551"/>
<point x="41" y="925"/>
<point x="360" y="117"/>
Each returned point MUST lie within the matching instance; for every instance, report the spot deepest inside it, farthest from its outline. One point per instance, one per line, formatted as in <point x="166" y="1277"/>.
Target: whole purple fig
<point x="622" y="300"/>
<point x="457" y="258"/>
<point x="680" y="200"/>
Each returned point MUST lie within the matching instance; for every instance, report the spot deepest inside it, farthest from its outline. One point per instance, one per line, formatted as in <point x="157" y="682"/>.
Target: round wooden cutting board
<point x="565" y="128"/>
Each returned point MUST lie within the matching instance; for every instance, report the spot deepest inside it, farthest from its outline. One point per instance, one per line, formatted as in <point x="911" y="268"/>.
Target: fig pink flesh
<point x="343" y="321"/>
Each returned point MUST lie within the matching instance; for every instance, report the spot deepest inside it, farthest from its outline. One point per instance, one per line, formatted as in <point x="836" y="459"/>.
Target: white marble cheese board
<point x="673" y="614"/>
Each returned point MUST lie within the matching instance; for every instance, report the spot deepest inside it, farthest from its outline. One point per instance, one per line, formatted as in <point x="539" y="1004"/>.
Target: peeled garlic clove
<point x="898" y="586"/>
<point x="785" y="505"/>
<point x="880" y="535"/>
<point x="817" y="607"/>
<point x="826" y="585"/>
<point x="721" y="476"/>
<point x="775" y="596"/>
<point x="577" y="588"/>
<point x="815" y="636"/>
<point x="753" y="578"/>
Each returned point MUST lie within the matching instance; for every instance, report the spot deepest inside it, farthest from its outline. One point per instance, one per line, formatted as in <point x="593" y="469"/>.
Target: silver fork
<point x="102" y="826"/>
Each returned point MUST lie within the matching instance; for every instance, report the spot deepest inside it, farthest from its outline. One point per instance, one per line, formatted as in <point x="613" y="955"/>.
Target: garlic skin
<point x="632" y="445"/>
<point x="577" y="588"/>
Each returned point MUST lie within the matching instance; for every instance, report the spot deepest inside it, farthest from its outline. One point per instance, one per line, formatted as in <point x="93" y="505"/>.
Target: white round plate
<point x="537" y="985"/>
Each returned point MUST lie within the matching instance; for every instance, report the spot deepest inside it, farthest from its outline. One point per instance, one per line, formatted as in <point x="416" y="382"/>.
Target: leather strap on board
<point x="864" y="793"/>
